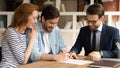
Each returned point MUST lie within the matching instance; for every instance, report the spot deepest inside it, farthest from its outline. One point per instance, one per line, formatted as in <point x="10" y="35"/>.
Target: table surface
<point x="54" y="64"/>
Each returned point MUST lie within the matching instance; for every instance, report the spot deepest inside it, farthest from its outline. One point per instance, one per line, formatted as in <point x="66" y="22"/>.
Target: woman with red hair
<point x="15" y="50"/>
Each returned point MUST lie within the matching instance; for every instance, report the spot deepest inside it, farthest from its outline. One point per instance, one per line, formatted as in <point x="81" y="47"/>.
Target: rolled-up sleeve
<point x="60" y="40"/>
<point x="36" y="53"/>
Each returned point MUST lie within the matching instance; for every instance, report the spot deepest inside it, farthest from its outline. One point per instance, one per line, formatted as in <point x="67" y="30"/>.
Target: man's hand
<point x="94" y="55"/>
<point x="61" y="56"/>
<point x="63" y="51"/>
<point x="73" y="55"/>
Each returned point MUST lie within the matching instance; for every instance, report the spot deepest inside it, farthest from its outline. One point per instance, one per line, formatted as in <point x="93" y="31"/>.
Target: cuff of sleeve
<point x="65" y="49"/>
<point x="101" y="53"/>
<point x="73" y="52"/>
<point x="35" y="56"/>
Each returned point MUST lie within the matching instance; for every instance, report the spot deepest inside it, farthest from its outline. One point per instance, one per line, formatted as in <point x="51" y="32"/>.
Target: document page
<point x="78" y="62"/>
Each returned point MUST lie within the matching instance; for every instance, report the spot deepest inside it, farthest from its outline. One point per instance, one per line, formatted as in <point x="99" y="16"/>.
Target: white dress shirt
<point x="98" y="35"/>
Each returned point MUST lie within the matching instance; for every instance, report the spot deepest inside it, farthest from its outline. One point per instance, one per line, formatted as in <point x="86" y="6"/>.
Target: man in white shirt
<point x="49" y="44"/>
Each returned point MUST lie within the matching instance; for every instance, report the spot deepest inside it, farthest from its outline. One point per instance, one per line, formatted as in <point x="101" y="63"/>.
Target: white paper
<point x="78" y="62"/>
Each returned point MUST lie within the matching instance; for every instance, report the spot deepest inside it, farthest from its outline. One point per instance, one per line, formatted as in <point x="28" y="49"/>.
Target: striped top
<point x="13" y="48"/>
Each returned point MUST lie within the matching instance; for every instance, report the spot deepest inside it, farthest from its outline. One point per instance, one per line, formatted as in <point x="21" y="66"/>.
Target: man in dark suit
<point x="98" y="39"/>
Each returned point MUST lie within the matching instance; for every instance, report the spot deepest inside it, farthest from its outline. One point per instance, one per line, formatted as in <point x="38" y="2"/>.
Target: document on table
<point x="78" y="62"/>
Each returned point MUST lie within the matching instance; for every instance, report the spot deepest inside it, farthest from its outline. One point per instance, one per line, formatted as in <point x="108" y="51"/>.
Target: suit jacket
<point x="109" y="36"/>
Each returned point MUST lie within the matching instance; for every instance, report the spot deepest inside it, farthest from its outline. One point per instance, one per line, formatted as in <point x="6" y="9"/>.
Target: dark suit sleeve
<point x="78" y="44"/>
<point x="114" y="52"/>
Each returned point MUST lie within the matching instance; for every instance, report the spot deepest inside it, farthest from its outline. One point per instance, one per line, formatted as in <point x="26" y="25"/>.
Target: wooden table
<point x="54" y="64"/>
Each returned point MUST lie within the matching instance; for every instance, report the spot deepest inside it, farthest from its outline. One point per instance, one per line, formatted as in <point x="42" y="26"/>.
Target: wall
<point x="108" y="6"/>
<point x="2" y="5"/>
<point x="111" y="6"/>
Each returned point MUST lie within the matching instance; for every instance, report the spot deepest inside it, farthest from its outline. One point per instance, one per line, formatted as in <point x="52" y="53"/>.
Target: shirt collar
<point x="100" y="27"/>
<point x="39" y="26"/>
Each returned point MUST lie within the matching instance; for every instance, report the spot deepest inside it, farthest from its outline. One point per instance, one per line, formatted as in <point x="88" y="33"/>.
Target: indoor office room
<point x="59" y="33"/>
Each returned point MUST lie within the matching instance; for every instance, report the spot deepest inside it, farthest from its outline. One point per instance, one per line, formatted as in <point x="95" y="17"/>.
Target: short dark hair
<point x="95" y="9"/>
<point x="50" y="12"/>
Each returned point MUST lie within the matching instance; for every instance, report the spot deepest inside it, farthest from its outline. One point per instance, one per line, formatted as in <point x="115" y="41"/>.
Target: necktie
<point x="94" y="40"/>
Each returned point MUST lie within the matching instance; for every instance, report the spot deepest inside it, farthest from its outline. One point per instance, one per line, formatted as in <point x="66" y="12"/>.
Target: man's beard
<point x="48" y="29"/>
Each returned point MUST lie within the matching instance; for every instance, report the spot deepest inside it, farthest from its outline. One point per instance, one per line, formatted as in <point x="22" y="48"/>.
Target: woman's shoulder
<point x="10" y="30"/>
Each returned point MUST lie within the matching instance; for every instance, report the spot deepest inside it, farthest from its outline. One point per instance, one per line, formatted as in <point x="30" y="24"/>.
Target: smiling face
<point x="93" y="21"/>
<point x="49" y="24"/>
<point x="32" y="19"/>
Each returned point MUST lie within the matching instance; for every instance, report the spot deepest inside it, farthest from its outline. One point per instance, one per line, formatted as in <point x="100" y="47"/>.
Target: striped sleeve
<point x="15" y="45"/>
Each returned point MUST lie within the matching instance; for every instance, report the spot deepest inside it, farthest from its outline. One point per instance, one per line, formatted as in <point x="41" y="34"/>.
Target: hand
<point x="63" y="51"/>
<point x="73" y="55"/>
<point x="61" y="56"/>
<point x="33" y="34"/>
<point x="94" y="55"/>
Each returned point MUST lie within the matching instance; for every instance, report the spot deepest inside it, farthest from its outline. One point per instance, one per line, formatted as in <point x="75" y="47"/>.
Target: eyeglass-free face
<point x="32" y="19"/>
<point x="49" y="24"/>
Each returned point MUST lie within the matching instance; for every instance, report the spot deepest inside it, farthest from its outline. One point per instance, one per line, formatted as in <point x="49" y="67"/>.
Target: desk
<point x="54" y="64"/>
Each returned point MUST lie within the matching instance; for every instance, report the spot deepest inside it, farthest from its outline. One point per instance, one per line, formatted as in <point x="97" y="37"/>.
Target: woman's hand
<point x="33" y="34"/>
